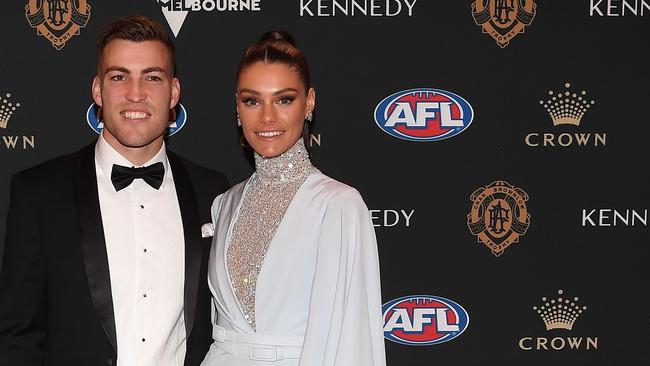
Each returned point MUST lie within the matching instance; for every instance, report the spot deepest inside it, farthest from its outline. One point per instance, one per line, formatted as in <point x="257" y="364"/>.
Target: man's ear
<point x="176" y="93"/>
<point x="97" y="91"/>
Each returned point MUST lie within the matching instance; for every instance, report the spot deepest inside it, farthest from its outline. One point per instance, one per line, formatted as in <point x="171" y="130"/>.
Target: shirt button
<point x="142" y="339"/>
<point x="144" y="295"/>
<point x="144" y="250"/>
<point x="142" y="207"/>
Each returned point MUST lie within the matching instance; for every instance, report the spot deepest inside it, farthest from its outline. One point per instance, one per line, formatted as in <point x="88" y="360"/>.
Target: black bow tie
<point x="123" y="176"/>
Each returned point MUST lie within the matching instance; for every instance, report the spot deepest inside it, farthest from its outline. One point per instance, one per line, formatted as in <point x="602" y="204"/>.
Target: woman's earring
<point x="310" y="116"/>
<point x="243" y="143"/>
<point x="238" y="121"/>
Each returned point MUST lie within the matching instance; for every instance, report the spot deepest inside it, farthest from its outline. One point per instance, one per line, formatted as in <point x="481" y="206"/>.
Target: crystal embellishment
<point x="265" y="202"/>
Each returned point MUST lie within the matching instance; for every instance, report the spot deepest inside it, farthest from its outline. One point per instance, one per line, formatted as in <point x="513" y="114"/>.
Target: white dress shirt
<point x="146" y="258"/>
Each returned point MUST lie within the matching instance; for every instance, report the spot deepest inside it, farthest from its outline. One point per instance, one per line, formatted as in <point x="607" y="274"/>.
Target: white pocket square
<point x="207" y="230"/>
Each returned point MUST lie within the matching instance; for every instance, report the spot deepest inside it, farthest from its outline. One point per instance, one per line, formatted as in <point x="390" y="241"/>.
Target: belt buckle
<point x="219" y="334"/>
<point x="264" y="353"/>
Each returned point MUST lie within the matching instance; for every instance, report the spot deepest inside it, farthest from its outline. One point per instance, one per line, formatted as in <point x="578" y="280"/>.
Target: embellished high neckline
<point x="289" y="166"/>
<point x="263" y="206"/>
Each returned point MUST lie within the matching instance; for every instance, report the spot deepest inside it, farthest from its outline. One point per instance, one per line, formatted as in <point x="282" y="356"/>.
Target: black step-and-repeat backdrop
<point x="501" y="146"/>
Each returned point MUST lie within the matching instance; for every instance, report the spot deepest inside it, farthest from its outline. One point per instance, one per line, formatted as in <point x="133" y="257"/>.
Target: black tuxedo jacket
<point x="56" y="306"/>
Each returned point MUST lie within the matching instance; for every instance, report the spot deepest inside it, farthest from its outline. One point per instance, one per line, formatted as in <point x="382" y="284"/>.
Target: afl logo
<point x="423" y="320"/>
<point x="424" y="114"/>
<point x="177" y="119"/>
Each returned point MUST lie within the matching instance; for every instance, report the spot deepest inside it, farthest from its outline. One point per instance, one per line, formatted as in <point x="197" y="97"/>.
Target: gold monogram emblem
<point x="499" y="215"/>
<point x="503" y="19"/>
<point x="57" y="20"/>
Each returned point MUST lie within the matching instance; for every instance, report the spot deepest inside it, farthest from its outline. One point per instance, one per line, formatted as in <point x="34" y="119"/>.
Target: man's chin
<point x="138" y="142"/>
<point x="132" y="138"/>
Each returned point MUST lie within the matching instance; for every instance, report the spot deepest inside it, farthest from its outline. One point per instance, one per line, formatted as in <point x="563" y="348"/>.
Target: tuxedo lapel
<point x="93" y="244"/>
<point x="191" y="231"/>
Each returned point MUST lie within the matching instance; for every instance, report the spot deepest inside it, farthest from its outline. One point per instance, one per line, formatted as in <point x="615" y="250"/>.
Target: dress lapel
<point x="93" y="244"/>
<point x="192" y="233"/>
<point x="219" y="276"/>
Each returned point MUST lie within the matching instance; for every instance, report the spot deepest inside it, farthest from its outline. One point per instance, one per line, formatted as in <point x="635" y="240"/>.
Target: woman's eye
<point x="286" y="100"/>
<point x="251" y="101"/>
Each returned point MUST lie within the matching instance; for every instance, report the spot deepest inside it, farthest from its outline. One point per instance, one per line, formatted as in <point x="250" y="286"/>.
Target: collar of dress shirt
<point x="106" y="156"/>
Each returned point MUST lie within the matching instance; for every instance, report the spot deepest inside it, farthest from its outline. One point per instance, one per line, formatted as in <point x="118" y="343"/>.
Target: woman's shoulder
<point x="234" y="191"/>
<point x="333" y="190"/>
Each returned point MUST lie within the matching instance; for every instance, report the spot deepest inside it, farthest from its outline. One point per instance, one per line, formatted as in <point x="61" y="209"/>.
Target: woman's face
<point x="272" y="104"/>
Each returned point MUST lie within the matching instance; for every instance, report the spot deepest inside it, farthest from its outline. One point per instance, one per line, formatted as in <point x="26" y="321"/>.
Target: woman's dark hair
<point x="277" y="47"/>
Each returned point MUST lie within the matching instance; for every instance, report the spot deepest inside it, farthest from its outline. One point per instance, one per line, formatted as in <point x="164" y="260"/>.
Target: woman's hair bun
<point x="276" y="47"/>
<point x="276" y="37"/>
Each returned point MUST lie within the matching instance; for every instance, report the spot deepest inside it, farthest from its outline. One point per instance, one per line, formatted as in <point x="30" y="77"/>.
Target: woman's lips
<point x="269" y="133"/>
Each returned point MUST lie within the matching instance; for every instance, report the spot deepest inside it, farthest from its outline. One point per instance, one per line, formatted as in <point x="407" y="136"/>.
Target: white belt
<point x="257" y="347"/>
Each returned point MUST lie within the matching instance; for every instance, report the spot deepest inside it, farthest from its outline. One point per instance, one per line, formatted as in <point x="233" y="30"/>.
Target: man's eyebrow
<point x="153" y="69"/>
<point x="116" y="68"/>
<point x="127" y="71"/>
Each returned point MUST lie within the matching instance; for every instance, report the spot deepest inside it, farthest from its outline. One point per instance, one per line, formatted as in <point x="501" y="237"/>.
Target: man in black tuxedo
<point x="104" y="260"/>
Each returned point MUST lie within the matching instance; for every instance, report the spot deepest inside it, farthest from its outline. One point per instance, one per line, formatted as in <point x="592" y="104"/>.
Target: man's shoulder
<point x="197" y="173"/>
<point x="57" y="168"/>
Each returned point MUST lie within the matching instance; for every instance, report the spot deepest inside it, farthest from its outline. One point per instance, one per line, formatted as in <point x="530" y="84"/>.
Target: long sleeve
<point x="22" y="285"/>
<point x="344" y="325"/>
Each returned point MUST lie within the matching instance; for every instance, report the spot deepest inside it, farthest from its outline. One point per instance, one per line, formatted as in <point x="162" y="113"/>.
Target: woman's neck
<point x="291" y="165"/>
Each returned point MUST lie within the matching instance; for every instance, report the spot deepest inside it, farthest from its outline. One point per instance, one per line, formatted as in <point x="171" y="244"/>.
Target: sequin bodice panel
<point x="264" y="204"/>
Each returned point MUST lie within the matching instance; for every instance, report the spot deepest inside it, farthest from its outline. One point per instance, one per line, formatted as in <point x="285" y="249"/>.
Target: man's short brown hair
<point x="135" y="28"/>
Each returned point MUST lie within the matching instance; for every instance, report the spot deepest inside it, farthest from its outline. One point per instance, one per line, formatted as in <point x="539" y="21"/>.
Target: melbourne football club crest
<point x="503" y="19"/>
<point x="57" y="20"/>
<point x="499" y="215"/>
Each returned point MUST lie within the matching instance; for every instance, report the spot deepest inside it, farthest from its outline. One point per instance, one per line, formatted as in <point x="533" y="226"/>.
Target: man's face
<point x="136" y="90"/>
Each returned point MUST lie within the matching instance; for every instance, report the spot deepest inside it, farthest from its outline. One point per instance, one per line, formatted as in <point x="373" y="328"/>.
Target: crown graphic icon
<point x="566" y="108"/>
<point x="559" y="313"/>
<point x="7" y="108"/>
